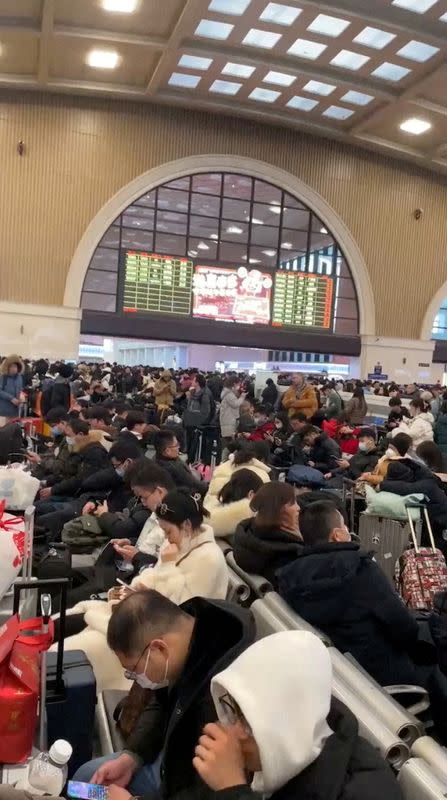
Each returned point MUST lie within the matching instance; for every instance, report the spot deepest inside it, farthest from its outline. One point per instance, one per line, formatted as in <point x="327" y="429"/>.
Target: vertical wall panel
<point x="80" y="151"/>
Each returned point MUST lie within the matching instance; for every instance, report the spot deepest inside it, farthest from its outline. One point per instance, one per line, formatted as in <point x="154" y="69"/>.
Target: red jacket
<point x="258" y="435"/>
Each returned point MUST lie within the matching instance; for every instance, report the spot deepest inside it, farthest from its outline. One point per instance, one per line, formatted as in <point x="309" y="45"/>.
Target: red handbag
<point x="21" y="644"/>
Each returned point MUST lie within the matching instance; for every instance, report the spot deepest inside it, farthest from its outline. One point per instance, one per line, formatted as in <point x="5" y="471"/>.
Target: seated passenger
<point x="281" y="431"/>
<point x="100" y="419"/>
<point x="397" y="414"/>
<point x="246" y="423"/>
<point x="441" y="428"/>
<point x="254" y="456"/>
<point x="264" y="425"/>
<point x="191" y="564"/>
<point x="420" y="424"/>
<point x="135" y="428"/>
<point x="269" y="540"/>
<point x="285" y="737"/>
<point x="397" y="449"/>
<point x="365" y="459"/>
<point x="434" y="459"/>
<point x="233" y="503"/>
<point x="320" y="451"/>
<point x="160" y="645"/>
<point x="290" y="451"/>
<point x="406" y="477"/>
<point x="167" y="455"/>
<point x="54" y="460"/>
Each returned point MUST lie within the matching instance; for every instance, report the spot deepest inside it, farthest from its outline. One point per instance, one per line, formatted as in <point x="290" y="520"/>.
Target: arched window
<point x="440" y="324"/>
<point x="227" y="247"/>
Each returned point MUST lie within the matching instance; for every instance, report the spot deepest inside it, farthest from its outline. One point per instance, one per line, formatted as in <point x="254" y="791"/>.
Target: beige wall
<point x="80" y="151"/>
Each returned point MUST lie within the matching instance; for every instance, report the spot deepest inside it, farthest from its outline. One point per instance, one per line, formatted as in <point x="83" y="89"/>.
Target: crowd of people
<point x="148" y="469"/>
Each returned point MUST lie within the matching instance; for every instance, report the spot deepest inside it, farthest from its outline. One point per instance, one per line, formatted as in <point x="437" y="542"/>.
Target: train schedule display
<point x="302" y="300"/>
<point x="155" y="283"/>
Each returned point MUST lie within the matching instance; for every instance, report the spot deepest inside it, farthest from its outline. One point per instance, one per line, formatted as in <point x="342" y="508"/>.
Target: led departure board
<point x="232" y="295"/>
<point x="302" y="299"/>
<point x="161" y="284"/>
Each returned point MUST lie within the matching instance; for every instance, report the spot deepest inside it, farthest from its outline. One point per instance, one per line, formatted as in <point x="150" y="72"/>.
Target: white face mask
<point x="363" y="447"/>
<point x="389" y="452"/>
<point x="143" y="681"/>
<point x="70" y="440"/>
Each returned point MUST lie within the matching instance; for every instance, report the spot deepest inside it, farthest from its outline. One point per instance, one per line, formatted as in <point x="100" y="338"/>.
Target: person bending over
<point x="248" y="754"/>
<point x="253" y="456"/>
<point x="176" y="651"/>
<point x="167" y="455"/>
<point x="233" y="503"/>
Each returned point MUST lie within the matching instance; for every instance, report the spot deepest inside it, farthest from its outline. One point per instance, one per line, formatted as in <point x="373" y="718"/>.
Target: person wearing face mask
<point x="398" y="448"/>
<point x="247" y="754"/>
<point x="420" y="424"/>
<point x="176" y="651"/>
<point x="55" y="461"/>
<point x="365" y="460"/>
<point x="270" y="539"/>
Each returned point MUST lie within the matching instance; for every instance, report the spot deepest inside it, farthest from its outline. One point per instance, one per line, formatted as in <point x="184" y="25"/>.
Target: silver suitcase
<point x="387" y="539"/>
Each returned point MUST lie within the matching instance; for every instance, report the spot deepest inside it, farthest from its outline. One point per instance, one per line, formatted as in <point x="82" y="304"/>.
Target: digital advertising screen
<point x="232" y="295"/>
<point x="161" y="284"/>
<point x="302" y="299"/>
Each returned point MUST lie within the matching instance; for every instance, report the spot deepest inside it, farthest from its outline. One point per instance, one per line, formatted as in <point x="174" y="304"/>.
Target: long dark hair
<point x="181" y="505"/>
<point x="239" y="486"/>
<point x="268" y="502"/>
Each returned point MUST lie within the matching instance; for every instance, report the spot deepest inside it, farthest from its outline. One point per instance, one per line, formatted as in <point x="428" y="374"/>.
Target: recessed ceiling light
<point x="236" y="7"/>
<point x="286" y="245"/>
<point x="275" y="209"/>
<point x="195" y="62"/>
<point x="415" y="126"/>
<point x="238" y="70"/>
<point x="234" y="229"/>
<point x="269" y="253"/>
<point x="103" y="59"/>
<point x="303" y="103"/>
<point x="336" y="112"/>
<point x="329" y="26"/>
<point x="202" y="246"/>
<point x="319" y="88"/>
<point x="306" y="49"/>
<point x="279" y="78"/>
<point x="323" y="230"/>
<point x="187" y="81"/>
<point x="349" y="60"/>
<point x="443" y="18"/>
<point x="418" y="6"/>
<point x="257" y="38"/>
<point x="214" y="236"/>
<point x="280" y="14"/>
<point x="256" y="221"/>
<point x="374" y="37"/>
<point x="225" y="87"/>
<point x="357" y="98"/>
<point x="254" y="261"/>
<point x="210" y="29"/>
<point x="192" y="252"/>
<point x="264" y="95"/>
<point x="391" y="72"/>
<point x="120" y="6"/>
<point x="418" y="51"/>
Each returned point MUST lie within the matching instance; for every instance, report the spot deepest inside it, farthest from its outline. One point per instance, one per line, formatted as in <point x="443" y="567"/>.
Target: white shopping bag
<point x="17" y="488"/>
<point x="12" y="545"/>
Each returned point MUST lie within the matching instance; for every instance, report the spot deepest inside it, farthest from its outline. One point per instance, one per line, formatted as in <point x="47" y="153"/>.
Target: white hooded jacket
<point x="282" y="684"/>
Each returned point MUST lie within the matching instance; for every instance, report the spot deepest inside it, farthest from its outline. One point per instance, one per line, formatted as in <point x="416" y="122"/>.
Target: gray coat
<point x="229" y="412"/>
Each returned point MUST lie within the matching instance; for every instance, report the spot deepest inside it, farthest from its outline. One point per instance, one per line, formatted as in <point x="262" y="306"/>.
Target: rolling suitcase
<point x="387" y="539"/>
<point x="422" y="571"/>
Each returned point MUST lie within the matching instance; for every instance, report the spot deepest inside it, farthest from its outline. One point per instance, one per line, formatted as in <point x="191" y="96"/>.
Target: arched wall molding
<point x="222" y="163"/>
<point x="433" y="308"/>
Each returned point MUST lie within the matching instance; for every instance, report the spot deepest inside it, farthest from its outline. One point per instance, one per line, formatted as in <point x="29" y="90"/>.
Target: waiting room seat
<point x="238" y="590"/>
<point x="433" y="754"/>
<point x="259" y="585"/>
<point x="293" y="620"/>
<point x="110" y="738"/>
<point x="418" y="781"/>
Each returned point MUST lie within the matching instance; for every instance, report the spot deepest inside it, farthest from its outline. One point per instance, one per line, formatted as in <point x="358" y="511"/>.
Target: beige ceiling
<point x="277" y="62"/>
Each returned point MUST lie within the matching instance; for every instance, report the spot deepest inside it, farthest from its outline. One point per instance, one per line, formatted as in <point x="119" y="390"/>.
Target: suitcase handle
<point x="423" y="507"/>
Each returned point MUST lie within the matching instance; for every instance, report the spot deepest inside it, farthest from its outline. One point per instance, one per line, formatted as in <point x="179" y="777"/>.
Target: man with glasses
<point x="167" y="455"/>
<point x="175" y="651"/>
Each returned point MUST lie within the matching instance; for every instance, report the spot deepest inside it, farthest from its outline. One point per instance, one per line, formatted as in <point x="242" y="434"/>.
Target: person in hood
<point x="420" y="424"/>
<point x="407" y="476"/>
<point x="165" y="390"/>
<point x="321" y="452"/>
<point x="287" y="737"/>
<point x="175" y="651"/>
<point x="231" y="400"/>
<point x="11" y="387"/>
<point x="269" y="540"/>
<point x="233" y="503"/>
<point x="300" y="397"/>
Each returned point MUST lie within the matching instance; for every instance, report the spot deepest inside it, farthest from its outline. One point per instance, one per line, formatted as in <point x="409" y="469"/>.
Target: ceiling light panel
<point x="357" y="98"/>
<point x="391" y="72"/>
<point x="236" y="7"/>
<point x="306" y="49"/>
<point x="316" y="87"/>
<point x="302" y="103"/>
<point x="238" y="70"/>
<point x="418" y="51"/>
<point x="443" y="18"/>
<point x="328" y="26"/>
<point x="347" y="59"/>
<point x="195" y="62"/>
<point x="210" y="29"/>
<point x="418" y="6"/>
<point x="374" y="37"/>
<point x="264" y="95"/>
<point x="186" y="81"/>
<point x="264" y="39"/>
<point x="336" y="112"/>
<point x="415" y="126"/>
<point x="120" y="6"/>
<point x="280" y="14"/>
<point x="225" y="87"/>
<point x="279" y="78"/>
<point x="103" y="59"/>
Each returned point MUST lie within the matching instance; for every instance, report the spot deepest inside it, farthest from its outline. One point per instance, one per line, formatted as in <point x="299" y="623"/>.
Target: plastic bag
<point x="12" y="544"/>
<point x="17" y="488"/>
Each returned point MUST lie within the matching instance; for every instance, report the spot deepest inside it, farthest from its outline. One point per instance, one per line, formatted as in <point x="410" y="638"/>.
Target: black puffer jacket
<point x="263" y="551"/>
<point x="408" y="477"/>
<point x="89" y="458"/>
<point x="325" y="453"/>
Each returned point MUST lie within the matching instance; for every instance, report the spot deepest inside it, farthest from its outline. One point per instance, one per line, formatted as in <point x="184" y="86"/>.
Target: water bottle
<point x="47" y="772"/>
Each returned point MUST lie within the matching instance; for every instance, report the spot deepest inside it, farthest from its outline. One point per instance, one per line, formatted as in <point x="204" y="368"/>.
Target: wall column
<point x="403" y="360"/>
<point x="37" y="331"/>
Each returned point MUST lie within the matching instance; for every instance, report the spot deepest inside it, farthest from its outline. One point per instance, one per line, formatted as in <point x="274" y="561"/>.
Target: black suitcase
<point x="71" y="687"/>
